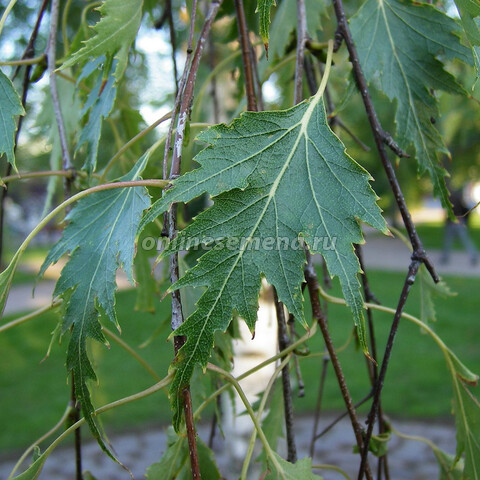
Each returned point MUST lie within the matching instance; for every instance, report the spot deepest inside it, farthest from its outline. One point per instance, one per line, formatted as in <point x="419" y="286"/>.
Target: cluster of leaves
<point x="250" y="169"/>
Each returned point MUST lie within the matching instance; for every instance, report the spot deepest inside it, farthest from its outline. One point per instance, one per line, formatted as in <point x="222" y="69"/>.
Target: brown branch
<point x="410" y="279"/>
<point x="318" y="406"/>
<point x="373" y="366"/>
<point x="173" y="43"/>
<point x="246" y="56"/>
<point x="183" y="102"/>
<point x="51" y="53"/>
<point x="298" y="371"/>
<point x="213" y="81"/>
<point x="317" y="314"/>
<point x="342" y="416"/>
<point x="283" y="343"/>
<point x="300" y="55"/>
<point x="28" y="53"/>
<point x="380" y="137"/>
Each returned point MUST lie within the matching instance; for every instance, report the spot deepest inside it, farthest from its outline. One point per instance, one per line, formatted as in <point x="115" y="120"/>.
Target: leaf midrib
<point x="304" y="122"/>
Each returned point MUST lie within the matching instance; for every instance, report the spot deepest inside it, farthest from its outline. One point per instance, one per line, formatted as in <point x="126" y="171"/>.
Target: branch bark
<point x="409" y="281"/>
<point x="301" y="39"/>
<point x="184" y="100"/>
<point x="246" y="56"/>
<point x="381" y="138"/>
<point x="27" y="54"/>
<point x="283" y="342"/>
<point x="317" y="314"/>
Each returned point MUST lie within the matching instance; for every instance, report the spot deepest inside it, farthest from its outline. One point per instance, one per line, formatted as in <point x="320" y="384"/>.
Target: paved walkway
<point x="380" y="252"/>
<point x="408" y="460"/>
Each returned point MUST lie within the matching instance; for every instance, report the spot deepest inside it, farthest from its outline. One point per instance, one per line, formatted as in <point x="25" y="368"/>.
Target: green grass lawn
<point x="33" y="394"/>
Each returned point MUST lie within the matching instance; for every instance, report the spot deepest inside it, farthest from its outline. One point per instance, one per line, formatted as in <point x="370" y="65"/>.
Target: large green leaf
<point x="10" y="107"/>
<point x="115" y="32"/>
<point x="400" y="55"/>
<point x="100" y="239"/>
<point x="284" y="176"/>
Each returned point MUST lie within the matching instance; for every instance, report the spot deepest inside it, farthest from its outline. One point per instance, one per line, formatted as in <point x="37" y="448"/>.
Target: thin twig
<point x="23" y="61"/>
<point x="342" y="416"/>
<point x="410" y="279"/>
<point x="28" y="53"/>
<point x="373" y="366"/>
<point x="213" y="80"/>
<point x="173" y="43"/>
<point x="300" y="55"/>
<point x="283" y="342"/>
<point x="317" y="314"/>
<point x="318" y="406"/>
<point x="347" y="130"/>
<point x="51" y="53"/>
<point x="256" y="75"/>
<point x="184" y="99"/>
<point x="298" y="371"/>
<point x="379" y="135"/>
<point x="44" y="173"/>
<point x="246" y="56"/>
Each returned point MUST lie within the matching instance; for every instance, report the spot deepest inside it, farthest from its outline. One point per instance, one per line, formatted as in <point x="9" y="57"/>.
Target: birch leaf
<point x="11" y="107"/>
<point x="252" y="168"/>
<point x="100" y="239"/>
<point x="400" y="56"/>
<point x="115" y="33"/>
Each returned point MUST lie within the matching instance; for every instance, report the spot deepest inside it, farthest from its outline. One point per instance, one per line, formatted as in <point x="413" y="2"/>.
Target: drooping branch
<point x="419" y="255"/>
<point x="317" y="314"/>
<point x="410" y="279"/>
<point x="28" y="53"/>
<point x="51" y="58"/>
<point x="183" y="102"/>
<point x="300" y="55"/>
<point x="381" y="138"/>
<point x="373" y="366"/>
<point x="283" y="342"/>
<point x="246" y="56"/>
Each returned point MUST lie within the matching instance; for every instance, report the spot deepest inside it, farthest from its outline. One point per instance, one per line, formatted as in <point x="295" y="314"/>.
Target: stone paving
<point x="409" y="460"/>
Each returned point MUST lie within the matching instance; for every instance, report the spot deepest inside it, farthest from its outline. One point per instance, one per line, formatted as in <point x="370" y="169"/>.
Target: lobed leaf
<point x="115" y="33"/>
<point x="400" y="56"/>
<point x="11" y="107"/>
<point x="252" y="168"/>
<point x="99" y="238"/>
